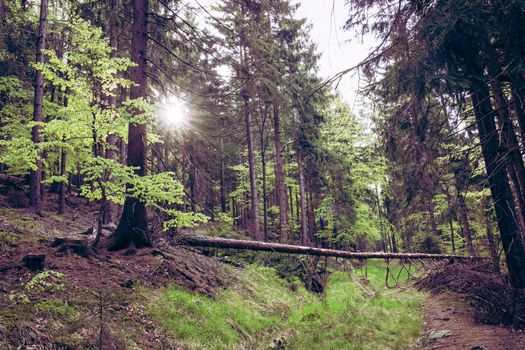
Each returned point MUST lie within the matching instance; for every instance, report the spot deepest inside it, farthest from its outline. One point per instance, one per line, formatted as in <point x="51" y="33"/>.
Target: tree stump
<point x="34" y="262"/>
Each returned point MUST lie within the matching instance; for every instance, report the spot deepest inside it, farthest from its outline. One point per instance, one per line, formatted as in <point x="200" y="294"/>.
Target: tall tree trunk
<point x="36" y="174"/>
<point x="516" y="193"/>
<point x="280" y="188"/>
<point x="234" y="212"/>
<point x="222" y="180"/>
<point x="312" y="222"/>
<point x="290" y="192"/>
<point x="510" y="146"/>
<point x="393" y="239"/>
<point x="465" y="225"/>
<point x="490" y="236"/>
<point x="132" y="230"/>
<point x="432" y="217"/>
<point x="112" y="101"/>
<point x="193" y="182"/>
<point x="62" y="184"/>
<point x="520" y="113"/>
<point x="518" y="98"/>
<point x="43" y="174"/>
<point x="384" y="235"/>
<point x="297" y="208"/>
<point x="451" y="220"/>
<point x="499" y="186"/>
<point x="254" y="197"/>
<point x="305" y="239"/>
<point x="265" y="199"/>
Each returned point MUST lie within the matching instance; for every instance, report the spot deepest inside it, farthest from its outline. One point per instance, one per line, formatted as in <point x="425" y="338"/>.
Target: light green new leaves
<point x="159" y="191"/>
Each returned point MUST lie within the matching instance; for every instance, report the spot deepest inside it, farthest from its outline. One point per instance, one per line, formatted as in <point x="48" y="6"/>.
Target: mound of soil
<point x="493" y="299"/>
<point x="447" y="315"/>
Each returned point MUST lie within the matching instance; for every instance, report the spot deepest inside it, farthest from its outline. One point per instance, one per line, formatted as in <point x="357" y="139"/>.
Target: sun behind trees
<point x="181" y="175"/>
<point x="265" y="151"/>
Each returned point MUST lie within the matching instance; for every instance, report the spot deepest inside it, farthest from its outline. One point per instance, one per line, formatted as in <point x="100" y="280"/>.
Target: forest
<point x="181" y="175"/>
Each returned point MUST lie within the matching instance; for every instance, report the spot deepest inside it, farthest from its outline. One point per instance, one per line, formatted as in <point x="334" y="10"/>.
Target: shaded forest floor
<point x="61" y="308"/>
<point x="176" y="298"/>
<point x="445" y="312"/>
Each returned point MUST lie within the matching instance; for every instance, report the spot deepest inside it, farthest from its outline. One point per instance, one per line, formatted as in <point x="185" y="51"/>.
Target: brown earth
<point x="447" y="312"/>
<point x="114" y="286"/>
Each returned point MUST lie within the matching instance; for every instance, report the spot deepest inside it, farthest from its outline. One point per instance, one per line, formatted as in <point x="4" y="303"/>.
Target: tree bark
<point x="305" y="240"/>
<point x="510" y="146"/>
<point x="465" y="225"/>
<point x="290" y="193"/>
<point x="490" y="236"/>
<point x="518" y="102"/>
<point x="310" y="206"/>
<point x="62" y="185"/>
<point x="112" y="101"/>
<point x="264" y="195"/>
<point x="432" y="217"/>
<point x="254" y="196"/>
<point x="280" y="188"/>
<point x="516" y="193"/>
<point x="222" y="180"/>
<point x="520" y="113"/>
<point x="36" y="174"/>
<point x="214" y="242"/>
<point x="451" y="220"/>
<point x="499" y="186"/>
<point x="193" y="182"/>
<point x="132" y="230"/>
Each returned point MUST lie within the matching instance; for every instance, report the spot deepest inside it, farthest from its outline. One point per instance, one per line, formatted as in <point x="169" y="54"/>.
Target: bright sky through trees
<point x="174" y="113"/>
<point x="339" y="49"/>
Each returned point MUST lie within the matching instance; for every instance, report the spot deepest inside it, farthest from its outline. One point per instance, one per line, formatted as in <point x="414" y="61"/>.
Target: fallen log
<point x="214" y="242"/>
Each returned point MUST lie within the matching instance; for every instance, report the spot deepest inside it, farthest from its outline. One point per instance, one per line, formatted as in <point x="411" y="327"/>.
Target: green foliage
<point x="367" y="223"/>
<point x="355" y="173"/>
<point x="57" y="308"/>
<point x="84" y="78"/>
<point x="46" y="281"/>
<point x="159" y="191"/>
<point x="225" y="219"/>
<point x="16" y="149"/>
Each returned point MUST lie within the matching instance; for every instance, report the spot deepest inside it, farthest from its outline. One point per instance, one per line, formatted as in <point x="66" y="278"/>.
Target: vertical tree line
<point x="464" y="57"/>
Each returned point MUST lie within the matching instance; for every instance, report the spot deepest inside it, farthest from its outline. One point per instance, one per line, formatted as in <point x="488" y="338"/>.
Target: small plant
<point x="18" y="298"/>
<point x="224" y="218"/>
<point x="46" y="281"/>
<point x="56" y="307"/>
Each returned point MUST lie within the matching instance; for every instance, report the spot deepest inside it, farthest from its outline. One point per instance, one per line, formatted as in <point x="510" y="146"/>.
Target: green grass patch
<point x="260" y="307"/>
<point x="56" y="307"/>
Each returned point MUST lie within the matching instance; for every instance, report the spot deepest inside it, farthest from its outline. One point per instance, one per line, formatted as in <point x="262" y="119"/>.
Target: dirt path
<point x="444" y="312"/>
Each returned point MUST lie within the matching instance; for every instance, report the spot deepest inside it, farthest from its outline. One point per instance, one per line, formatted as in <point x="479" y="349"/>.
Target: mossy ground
<point x="261" y="310"/>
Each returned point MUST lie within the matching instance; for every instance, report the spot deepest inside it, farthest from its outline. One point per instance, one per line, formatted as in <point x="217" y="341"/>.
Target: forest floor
<point x="446" y="313"/>
<point x="171" y="297"/>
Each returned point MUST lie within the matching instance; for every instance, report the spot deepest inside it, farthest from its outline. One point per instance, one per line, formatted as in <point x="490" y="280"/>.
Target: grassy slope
<point x="260" y="308"/>
<point x="256" y="309"/>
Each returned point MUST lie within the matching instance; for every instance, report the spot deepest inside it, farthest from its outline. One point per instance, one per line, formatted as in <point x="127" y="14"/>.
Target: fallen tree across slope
<point x="214" y="242"/>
